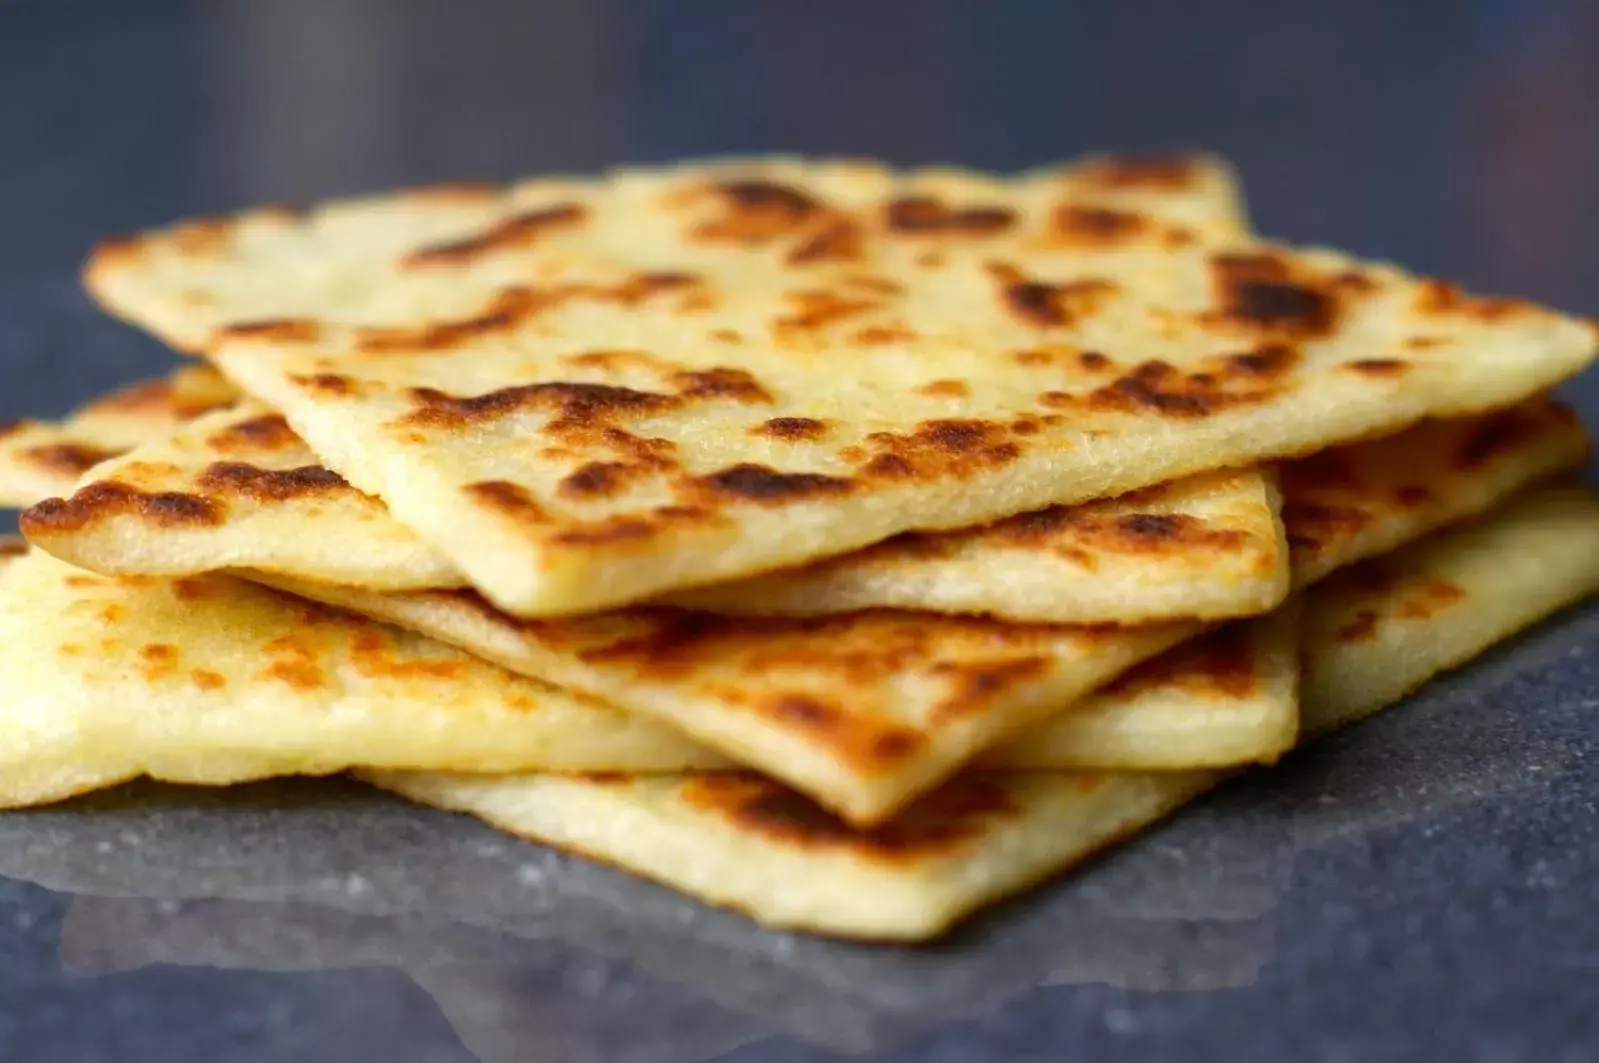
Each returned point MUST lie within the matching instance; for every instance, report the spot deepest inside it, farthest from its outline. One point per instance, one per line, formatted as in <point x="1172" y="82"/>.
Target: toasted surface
<point x="745" y="842"/>
<point x="1379" y="630"/>
<point x="209" y="679"/>
<point x="43" y="459"/>
<point x="1208" y="546"/>
<point x="704" y="673"/>
<point x="1230" y="696"/>
<point x="803" y="699"/>
<point x="634" y="386"/>
<point x="1358" y="501"/>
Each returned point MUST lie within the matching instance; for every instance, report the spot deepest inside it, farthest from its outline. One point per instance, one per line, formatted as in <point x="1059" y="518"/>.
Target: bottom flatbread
<point x="743" y="841"/>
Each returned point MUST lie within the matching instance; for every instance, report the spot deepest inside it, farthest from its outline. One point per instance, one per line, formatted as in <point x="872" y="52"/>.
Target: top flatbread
<point x="694" y="374"/>
<point x="40" y="459"/>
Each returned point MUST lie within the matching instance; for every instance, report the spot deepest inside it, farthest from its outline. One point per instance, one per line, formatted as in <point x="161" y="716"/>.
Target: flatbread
<point x="43" y="459"/>
<point x="184" y="281"/>
<point x="213" y="680"/>
<point x="743" y="841"/>
<point x="1211" y="546"/>
<point x="731" y="681"/>
<point x="1203" y="553"/>
<point x="1379" y="630"/>
<point x="653" y="399"/>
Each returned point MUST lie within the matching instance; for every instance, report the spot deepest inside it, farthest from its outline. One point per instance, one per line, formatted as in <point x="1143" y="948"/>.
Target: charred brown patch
<point x="206" y="679"/>
<point x="11" y="548"/>
<point x="805" y="711"/>
<point x="1222" y="383"/>
<point x="518" y="231"/>
<point x="763" y="484"/>
<point x="933" y="826"/>
<point x="328" y="385"/>
<point x="1094" y="362"/>
<point x="1156" y="171"/>
<point x="755" y="212"/>
<point x="1221" y="663"/>
<point x="1045" y="305"/>
<point x="1361" y="628"/>
<point x="1262" y="292"/>
<point x="572" y="404"/>
<point x="295" y="662"/>
<point x="73" y="459"/>
<point x="11" y="427"/>
<point x="1429" y="598"/>
<point x="882" y="335"/>
<point x="1312" y="527"/>
<point x="791" y="429"/>
<point x="103" y="501"/>
<point x="1445" y="298"/>
<point x="372" y="654"/>
<point x="597" y="479"/>
<point x="1082" y="226"/>
<point x="160" y="660"/>
<point x="270" y="485"/>
<point x="1379" y="367"/>
<point x="939" y="449"/>
<point x="927" y="215"/>
<point x="734" y="385"/>
<point x="945" y="389"/>
<point x="194" y="589"/>
<point x="818" y="309"/>
<point x="840" y="240"/>
<point x="1499" y="433"/>
<point x="973" y="686"/>
<point x="1411" y="496"/>
<point x="274" y="330"/>
<point x="609" y="532"/>
<point x="1077" y="530"/>
<point x="267" y="432"/>
<point x="508" y="499"/>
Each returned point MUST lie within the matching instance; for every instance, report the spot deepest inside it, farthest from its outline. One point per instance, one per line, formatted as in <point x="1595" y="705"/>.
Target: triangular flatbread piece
<point x="743" y="841"/>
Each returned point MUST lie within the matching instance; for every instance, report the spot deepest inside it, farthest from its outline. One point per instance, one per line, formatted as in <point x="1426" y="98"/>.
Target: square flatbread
<point x="43" y="459"/>
<point x="210" y="679"/>
<point x="743" y="841"/>
<point x="653" y="398"/>
<point x="803" y="699"/>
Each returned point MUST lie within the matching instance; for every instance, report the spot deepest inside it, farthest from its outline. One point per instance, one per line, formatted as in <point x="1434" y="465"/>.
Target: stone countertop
<point x="1423" y="886"/>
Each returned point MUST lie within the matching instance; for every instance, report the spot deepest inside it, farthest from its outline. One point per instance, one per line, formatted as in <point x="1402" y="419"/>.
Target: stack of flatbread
<point x="848" y="546"/>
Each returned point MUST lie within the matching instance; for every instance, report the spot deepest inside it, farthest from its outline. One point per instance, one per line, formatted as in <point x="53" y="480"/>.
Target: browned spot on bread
<point x="372" y="654"/>
<point x="509" y="499"/>
<point x="1312" y="527"/>
<point x="327" y="384"/>
<point x="158" y="398"/>
<point x="1094" y="362"/>
<point x="73" y="459"/>
<point x="927" y="215"/>
<point x="160" y="660"/>
<point x="1045" y="305"/>
<point x="755" y="212"/>
<point x="881" y="335"/>
<point x="1156" y="171"/>
<point x="1423" y="343"/>
<point x="597" y="479"/>
<point x="1225" y="381"/>
<point x="940" y="449"/>
<point x="809" y="713"/>
<point x="201" y="236"/>
<point x="750" y="482"/>
<point x="270" y="485"/>
<point x="11" y="548"/>
<point x="1262" y="292"/>
<point x="206" y="679"/>
<point x="1078" y="528"/>
<point x="10" y="427"/>
<point x="608" y="532"/>
<point x="791" y="429"/>
<point x="274" y="330"/>
<point x="572" y="404"/>
<point x="1082" y="226"/>
<point x="295" y="661"/>
<point x="818" y="309"/>
<point x="193" y="588"/>
<point x="839" y="240"/>
<point x="1379" y="367"/>
<point x="267" y="432"/>
<point x="1499" y="433"/>
<point x="1362" y="628"/>
<point x="103" y="501"/>
<point x="613" y="359"/>
<point x="1428" y="598"/>
<point x="973" y="686"/>
<point x="1445" y="298"/>
<point x="1412" y="495"/>
<point x="945" y="389"/>
<point x="519" y="231"/>
<point x="1221" y="663"/>
<point x="736" y="385"/>
<point x="934" y="826"/>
